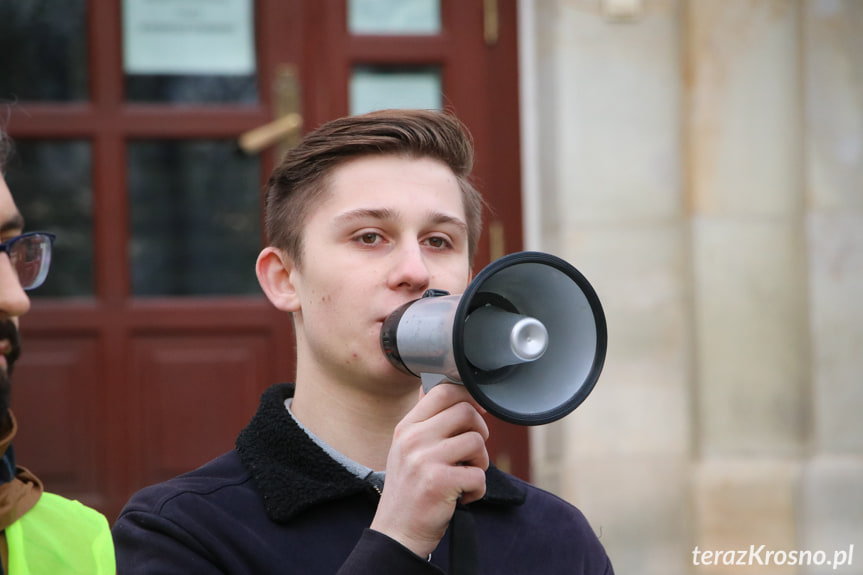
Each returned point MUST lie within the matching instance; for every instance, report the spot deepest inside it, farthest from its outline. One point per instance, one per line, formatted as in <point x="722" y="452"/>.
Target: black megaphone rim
<point x="472" y="377"/>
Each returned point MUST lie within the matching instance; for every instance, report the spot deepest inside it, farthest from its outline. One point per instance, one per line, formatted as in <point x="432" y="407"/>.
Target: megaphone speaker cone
<point x="495" y="338"/>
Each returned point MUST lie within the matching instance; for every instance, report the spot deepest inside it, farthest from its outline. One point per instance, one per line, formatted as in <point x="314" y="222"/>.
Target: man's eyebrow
<point x="15" y="222"/>
<point x="367" y="213"/>
<point x="387" y="214"/>
<point x="441" y="218"/>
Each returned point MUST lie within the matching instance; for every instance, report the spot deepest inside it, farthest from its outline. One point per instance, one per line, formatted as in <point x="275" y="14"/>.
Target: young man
<point x="41" y="532"/>
<point x="351" y="470"/>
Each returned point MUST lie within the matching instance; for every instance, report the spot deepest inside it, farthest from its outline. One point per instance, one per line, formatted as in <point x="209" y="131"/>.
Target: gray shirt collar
<point x="376" y="478"/>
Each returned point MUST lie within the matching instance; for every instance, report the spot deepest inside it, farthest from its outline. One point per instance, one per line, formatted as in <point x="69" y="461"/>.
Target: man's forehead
<point x="394" y="167"/>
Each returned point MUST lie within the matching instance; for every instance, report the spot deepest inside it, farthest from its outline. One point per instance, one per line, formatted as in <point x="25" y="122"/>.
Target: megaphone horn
<point x="527" y="338"/>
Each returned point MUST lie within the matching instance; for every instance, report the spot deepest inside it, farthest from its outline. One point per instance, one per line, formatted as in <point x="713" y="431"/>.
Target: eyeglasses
<point x="30" y="255"/>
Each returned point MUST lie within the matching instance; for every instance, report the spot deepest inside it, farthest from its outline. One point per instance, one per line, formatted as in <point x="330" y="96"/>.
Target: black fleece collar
<point x="293" y="473"/>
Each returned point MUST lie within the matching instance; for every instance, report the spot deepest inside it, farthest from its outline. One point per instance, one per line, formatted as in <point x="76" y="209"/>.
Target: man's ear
<point x="274" y="269"/>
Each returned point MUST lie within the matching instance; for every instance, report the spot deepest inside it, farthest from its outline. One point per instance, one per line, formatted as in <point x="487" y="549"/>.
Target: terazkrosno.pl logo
<point x="761" y="555"/>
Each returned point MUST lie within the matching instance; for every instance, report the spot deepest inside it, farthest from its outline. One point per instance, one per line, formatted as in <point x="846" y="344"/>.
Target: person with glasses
<point x="42" y="532"/>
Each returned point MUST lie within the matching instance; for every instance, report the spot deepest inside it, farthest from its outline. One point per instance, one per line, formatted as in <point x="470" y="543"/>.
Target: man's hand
<point x="438" y="457"/>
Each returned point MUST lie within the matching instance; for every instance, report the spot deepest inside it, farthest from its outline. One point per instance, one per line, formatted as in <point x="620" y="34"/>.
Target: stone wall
<point x="702" y="164"/>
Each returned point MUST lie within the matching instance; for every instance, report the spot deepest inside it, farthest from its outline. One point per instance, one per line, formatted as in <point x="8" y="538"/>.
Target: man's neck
<point x="356" y="423"/>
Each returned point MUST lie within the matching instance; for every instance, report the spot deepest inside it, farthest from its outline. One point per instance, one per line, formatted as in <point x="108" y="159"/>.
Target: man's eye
<point x="369" y="238"/>
<point x="438" y="242"/>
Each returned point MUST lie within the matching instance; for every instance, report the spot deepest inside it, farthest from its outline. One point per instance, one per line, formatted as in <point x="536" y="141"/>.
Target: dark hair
<point x="298" y="184"/>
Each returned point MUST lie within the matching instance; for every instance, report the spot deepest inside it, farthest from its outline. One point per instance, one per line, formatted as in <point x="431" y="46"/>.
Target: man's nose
<point x="13" y="299"/>
<point x="409" y="270"/>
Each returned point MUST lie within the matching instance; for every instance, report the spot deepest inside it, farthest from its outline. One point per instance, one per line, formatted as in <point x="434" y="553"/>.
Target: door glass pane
<point x="195" y="214"/>
<point x="377" y="88"/>
<point x="189" y="51"/>
<point x="192" y="89"/>
<point x="403" y="17"/>
<point x="51" y="184"/>
<point x="44" y="50"/>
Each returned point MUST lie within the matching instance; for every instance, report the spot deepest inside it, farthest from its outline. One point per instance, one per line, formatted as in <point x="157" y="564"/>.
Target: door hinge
<point x="490" y="22"/>
<point x="496" y="241"/>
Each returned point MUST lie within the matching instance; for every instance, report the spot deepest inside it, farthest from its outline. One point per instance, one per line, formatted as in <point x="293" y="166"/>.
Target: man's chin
<point x="389" y="381"/>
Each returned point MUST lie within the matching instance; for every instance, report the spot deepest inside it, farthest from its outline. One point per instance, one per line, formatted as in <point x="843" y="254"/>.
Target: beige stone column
<point x="702" y="164"/>
<point x="613" y="206"/>
<point x="746" y="181"/>
<point x="831" y="515"/>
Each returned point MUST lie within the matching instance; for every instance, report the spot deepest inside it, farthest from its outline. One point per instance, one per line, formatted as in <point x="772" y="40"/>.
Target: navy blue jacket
<point x="279" y="504"/>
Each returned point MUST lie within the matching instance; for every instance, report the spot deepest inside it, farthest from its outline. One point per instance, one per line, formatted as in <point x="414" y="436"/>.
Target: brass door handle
<point x="263" y="137"/>
<point x="286" y="130"/>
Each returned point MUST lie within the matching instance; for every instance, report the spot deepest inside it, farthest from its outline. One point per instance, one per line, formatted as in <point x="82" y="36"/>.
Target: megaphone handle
<point x="429" y="380"/>
<point x="463" y="556"/>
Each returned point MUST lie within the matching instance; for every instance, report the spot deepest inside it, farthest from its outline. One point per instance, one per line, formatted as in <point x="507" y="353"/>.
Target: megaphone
<point x="527" y="338"/>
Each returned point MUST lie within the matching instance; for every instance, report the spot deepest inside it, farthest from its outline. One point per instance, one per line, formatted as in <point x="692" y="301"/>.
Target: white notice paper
<point x="192" y="37"/>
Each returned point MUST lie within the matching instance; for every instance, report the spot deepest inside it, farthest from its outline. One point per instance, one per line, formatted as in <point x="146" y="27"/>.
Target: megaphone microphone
<point x="527" y="338"/>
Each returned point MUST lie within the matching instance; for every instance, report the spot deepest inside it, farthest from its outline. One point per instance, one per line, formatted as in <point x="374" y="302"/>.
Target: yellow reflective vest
<point x="60" y="536"/>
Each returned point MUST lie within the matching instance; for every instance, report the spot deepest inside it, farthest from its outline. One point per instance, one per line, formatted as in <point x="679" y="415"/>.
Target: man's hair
<point x="299" y="182"/>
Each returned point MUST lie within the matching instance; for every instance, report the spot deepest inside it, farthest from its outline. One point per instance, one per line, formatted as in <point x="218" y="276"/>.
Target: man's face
<point x="389" y="229"/>
<point x="13" y="300"/>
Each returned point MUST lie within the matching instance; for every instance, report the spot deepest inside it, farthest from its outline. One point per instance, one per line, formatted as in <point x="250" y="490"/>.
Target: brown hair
<point x="298" y="184"/>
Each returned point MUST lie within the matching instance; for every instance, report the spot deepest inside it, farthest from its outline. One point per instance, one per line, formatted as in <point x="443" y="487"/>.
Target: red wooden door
<point x="147" y="354"/>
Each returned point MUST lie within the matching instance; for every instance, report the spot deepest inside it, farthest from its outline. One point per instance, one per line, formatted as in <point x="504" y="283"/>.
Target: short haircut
<point x="299" y="183"/>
